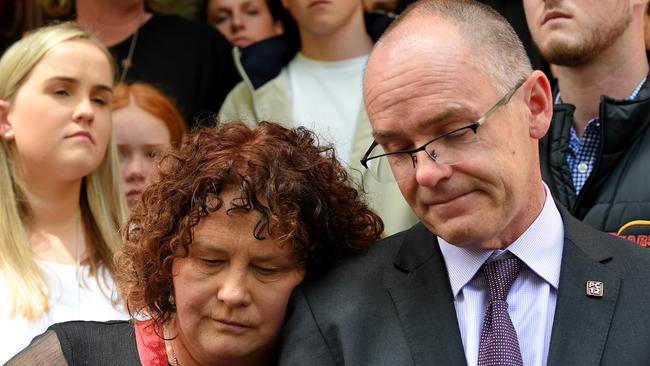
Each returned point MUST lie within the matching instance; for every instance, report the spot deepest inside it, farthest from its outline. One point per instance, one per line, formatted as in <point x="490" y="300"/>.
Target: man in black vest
<point x="596" y="156"/>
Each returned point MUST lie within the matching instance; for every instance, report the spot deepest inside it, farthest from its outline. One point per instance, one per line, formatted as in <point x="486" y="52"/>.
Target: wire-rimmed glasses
<point x="448" y="149"/>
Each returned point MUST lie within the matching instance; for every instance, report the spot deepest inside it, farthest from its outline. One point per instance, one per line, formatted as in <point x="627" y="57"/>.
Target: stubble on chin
<point x="584" y="47"/>
<point x="564" y="54"/>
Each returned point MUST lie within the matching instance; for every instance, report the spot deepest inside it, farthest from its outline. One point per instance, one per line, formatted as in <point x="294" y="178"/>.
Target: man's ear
<point x="539" y="100"/>
<point x="6" y="129"/>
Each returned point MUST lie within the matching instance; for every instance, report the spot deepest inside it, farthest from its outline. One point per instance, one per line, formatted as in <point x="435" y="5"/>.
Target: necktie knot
<point x="500" y="275"/>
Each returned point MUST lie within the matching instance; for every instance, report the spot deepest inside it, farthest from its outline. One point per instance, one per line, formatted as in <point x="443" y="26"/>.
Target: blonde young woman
<point x="61" y="202"/>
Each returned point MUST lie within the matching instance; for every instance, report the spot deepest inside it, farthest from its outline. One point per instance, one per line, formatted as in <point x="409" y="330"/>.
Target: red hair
<point x="300" y="189"/>
<point x="152" y="101"/>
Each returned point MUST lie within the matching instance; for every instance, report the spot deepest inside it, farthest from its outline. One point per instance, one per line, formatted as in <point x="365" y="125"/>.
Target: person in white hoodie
<point x="314" y="80"/>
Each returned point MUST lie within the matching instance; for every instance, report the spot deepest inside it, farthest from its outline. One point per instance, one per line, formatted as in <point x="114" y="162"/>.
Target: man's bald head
<point x="494" y="46"/>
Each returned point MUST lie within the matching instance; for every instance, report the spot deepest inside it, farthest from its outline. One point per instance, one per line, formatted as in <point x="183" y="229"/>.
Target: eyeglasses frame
<point x="473" y="126"/>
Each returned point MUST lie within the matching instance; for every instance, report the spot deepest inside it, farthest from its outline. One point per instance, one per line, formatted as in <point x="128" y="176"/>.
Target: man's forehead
<point x="413" y="42"/>
<point x="420" y="30"/>
<point x="416" y="62"/>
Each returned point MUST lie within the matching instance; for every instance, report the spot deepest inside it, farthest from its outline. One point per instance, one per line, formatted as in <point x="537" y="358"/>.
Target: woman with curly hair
<point x="236" y="220"/>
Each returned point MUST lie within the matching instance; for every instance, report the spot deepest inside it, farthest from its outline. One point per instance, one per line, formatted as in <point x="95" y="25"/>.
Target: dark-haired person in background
<point x="243" y="22"/>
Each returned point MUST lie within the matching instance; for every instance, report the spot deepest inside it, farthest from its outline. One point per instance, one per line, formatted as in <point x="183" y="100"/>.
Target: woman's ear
<point x="539" y="100"/>
<point x="6" y="130"/>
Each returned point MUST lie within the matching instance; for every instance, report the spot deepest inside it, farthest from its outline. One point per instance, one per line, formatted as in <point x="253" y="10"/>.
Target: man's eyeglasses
<point x="450" y="148"/>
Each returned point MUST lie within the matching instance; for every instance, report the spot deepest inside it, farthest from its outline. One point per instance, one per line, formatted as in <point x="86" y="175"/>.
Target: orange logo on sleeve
<point x="637" y="231"/>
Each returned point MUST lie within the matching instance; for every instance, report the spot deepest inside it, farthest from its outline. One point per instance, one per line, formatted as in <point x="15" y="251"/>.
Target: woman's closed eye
<point x="252" y="12"/>
<point x="213" y="262"/>
<point x="222" y="17"/>
<point x="100" y="101"/>
<point x="61" y="92"/>
<point x="266" y="270"/>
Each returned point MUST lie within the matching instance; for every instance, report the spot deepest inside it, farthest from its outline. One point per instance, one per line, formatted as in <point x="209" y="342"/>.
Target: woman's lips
<point x="134" y="192"/>
<point x="83" y="135"/>
<point x="230" y="326"/>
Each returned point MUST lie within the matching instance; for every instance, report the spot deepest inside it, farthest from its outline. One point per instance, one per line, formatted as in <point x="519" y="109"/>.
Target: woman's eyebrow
<point x="71" y="80"/>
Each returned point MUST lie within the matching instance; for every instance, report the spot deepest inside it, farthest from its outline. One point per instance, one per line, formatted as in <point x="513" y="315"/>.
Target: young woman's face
<point x="139" y="136"/>
<point x="61" y="116"/>
<point x="243" y="22"/>
<point x="232" y="290"/>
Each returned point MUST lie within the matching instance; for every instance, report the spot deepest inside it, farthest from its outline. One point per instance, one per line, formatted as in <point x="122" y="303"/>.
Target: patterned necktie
<point x="498" y="344"/>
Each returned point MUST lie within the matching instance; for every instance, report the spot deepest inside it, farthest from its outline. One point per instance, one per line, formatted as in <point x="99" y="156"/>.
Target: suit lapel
<point x="581" y="322"/>
<point x="424" y="302"/>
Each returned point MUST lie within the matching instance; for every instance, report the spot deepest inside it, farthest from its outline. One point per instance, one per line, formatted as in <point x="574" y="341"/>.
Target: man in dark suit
<point x="496" y="273"/>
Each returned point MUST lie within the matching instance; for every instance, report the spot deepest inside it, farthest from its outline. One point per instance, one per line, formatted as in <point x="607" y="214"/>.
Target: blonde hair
<point x="102" y="204"/>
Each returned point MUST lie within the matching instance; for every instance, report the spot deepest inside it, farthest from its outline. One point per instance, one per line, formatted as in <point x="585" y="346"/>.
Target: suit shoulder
<point x="374" y="268"/>
<point x="622" y="256"/>
<point x="629" y="258"/>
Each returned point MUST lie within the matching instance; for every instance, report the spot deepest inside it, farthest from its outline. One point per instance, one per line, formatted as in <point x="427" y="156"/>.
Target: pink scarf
<point x="151" y="348"/>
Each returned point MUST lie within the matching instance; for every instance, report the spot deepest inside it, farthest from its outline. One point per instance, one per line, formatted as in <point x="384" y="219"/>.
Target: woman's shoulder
<point x="93" y="332"/>
<point x="110" y="342"/>
<point x="81" y="343"/>
<point x="77" y="327"/>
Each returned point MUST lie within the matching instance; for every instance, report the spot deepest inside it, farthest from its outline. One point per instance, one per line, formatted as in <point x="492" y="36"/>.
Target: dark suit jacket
<point x="394" y="306"/>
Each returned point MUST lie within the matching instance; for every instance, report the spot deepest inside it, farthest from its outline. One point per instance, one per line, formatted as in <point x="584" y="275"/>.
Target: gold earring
<point x="9" y="135"/>
<point x="172" y="300"/>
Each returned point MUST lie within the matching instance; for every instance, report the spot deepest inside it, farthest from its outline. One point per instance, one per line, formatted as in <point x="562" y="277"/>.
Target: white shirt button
<point x="582" y="168"/>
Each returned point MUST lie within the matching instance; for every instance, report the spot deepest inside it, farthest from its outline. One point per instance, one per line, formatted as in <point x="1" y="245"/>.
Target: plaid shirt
<point x="583" y="153"/>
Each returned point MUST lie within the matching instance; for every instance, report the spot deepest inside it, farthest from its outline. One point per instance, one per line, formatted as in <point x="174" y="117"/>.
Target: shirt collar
<point x="632" y="96"/>
<point x="539" y="247"/>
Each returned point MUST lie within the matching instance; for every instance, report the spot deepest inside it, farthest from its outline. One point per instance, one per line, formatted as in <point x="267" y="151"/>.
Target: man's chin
<point x="459" y="230"/>
<point x="565" y="53"/>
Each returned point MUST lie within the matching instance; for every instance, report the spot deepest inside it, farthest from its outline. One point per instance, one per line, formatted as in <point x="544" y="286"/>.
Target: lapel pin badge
<point x="595" y="289"/>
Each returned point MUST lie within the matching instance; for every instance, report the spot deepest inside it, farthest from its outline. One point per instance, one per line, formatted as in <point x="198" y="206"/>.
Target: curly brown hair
<point x="300" y="189"/>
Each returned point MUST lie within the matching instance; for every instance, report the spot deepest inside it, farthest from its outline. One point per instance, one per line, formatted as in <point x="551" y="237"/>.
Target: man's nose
<point x="429" y="172"/>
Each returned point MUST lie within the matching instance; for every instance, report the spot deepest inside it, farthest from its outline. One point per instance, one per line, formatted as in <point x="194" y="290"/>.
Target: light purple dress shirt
<point x="532" y="298"/>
